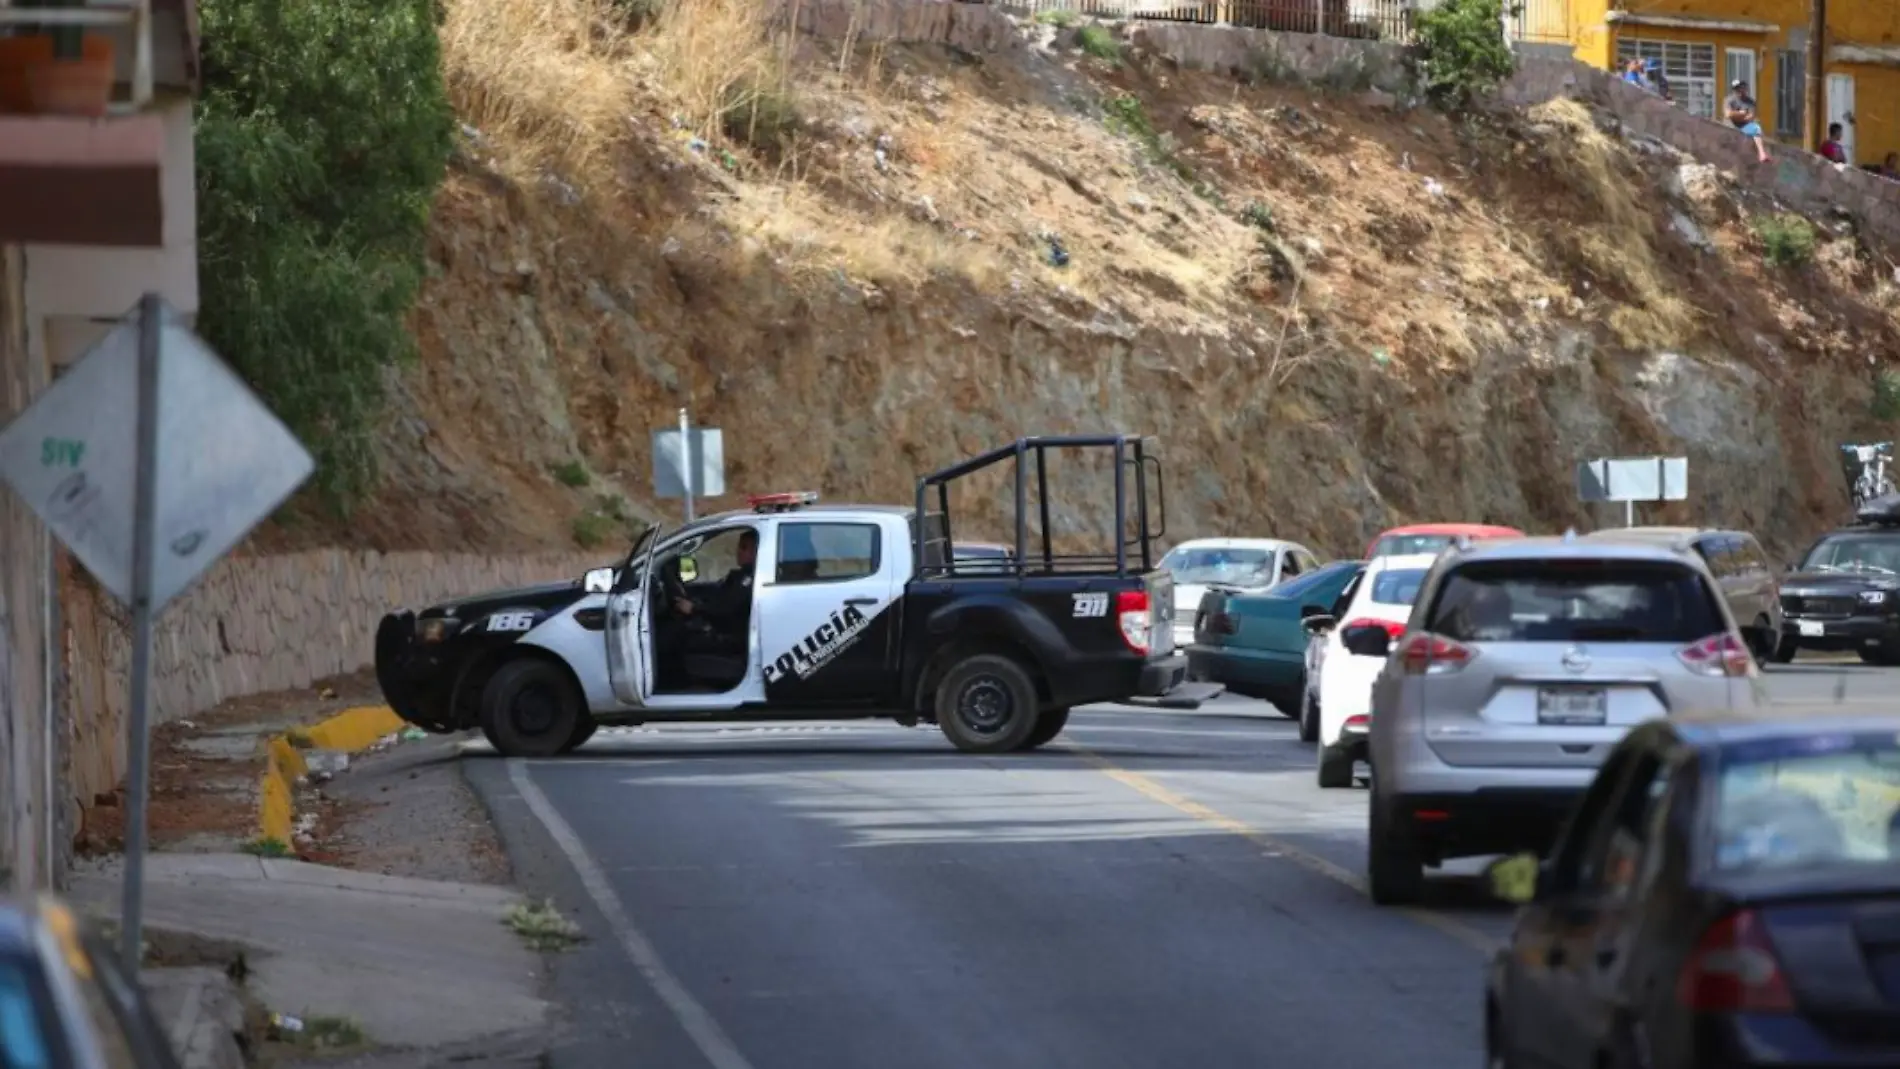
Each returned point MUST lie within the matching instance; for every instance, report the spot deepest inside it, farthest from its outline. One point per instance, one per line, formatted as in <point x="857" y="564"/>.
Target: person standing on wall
<point x="1741" y="115"/>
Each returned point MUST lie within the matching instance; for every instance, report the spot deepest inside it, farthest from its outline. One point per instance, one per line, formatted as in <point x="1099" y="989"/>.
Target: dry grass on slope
<point x="1620" y="249"/>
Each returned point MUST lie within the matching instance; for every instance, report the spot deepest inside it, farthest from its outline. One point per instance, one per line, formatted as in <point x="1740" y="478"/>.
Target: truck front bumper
<point x="415" y="681"/>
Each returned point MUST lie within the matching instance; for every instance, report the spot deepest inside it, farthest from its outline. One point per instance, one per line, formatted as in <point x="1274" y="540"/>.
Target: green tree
<point x="1461" y="52"/>
<point x="323" y="131"/>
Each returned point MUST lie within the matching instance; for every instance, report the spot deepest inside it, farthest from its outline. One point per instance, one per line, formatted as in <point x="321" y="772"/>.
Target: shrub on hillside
<point x="1461" y="52"/>
<point x="323" y="132"/>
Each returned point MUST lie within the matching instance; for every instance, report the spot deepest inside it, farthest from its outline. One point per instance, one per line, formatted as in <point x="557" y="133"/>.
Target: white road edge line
<point x="717" y="1047"/>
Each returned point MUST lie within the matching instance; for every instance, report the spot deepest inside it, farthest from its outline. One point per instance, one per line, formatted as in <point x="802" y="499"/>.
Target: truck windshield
<point x="1873" y="553"/>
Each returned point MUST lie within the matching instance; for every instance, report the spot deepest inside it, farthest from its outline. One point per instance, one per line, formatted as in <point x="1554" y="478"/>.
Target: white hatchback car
<point x="1339" y="682"/>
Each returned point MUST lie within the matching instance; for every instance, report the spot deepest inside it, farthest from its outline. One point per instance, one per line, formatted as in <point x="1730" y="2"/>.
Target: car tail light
<point x="1733" y="969"/>
<point x="1426" y="654"/>
<point x="1359" y="720"/>
<point x="1392" y="627"/>
<point x="1718" y="655"/>
<point x="1137" y="622"/>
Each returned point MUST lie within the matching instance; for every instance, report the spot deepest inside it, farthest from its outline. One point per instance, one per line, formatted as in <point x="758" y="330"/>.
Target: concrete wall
<point x="252" y="625"/>
<point x="74" y="293"/>
<point x="27" y="855"/>
<point x="1801" y="179"/>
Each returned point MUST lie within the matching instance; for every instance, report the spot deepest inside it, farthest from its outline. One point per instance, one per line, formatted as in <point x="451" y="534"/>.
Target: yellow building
<point x="1703" y="45"/>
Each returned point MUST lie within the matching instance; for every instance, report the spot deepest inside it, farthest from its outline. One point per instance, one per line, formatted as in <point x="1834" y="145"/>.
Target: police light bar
<point x="791" y="499"/>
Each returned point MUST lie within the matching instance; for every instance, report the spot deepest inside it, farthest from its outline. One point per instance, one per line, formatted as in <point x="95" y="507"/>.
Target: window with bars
<point x="1690" y="69"/>
<point x="1791" y="105"/>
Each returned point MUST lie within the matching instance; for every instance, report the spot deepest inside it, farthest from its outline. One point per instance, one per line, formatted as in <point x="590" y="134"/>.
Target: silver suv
<point x="1522" y="664"/>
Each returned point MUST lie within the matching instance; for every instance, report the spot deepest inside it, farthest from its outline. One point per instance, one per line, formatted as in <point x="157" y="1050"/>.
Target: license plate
<point x="1811" y="628"/>
<point x="1573" y="707"/>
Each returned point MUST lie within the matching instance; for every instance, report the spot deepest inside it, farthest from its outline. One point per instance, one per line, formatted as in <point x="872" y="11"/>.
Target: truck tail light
<point x="1426" y="654"/>
<point x="1718" y="655"/>
<point x="1217" y="623"/>
<point x="1136" y="620"/>
<point x="1733" y="969"/>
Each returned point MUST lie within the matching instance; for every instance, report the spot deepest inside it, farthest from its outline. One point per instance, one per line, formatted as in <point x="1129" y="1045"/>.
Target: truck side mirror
<point x="1367" y="640"/>
<point x="598" y="581"/>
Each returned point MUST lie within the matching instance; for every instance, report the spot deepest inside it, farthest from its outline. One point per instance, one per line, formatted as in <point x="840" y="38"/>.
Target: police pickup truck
<point x="795" y="610"/>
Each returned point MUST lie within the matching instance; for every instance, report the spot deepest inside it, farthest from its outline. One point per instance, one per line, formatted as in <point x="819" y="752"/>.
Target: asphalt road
<point x="1156" y="888"/>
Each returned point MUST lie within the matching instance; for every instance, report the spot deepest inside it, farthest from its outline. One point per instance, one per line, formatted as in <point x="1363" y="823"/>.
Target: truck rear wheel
<point x="987" y="704"/>
<point x="1048" y="726"/>
<point x="530" y="709"/>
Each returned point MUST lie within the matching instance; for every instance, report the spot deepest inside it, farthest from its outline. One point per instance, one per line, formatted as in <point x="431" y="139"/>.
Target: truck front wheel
<point x="987" y="704"/>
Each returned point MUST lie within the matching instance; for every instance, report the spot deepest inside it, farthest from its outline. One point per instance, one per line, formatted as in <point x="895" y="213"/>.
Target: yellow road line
<point x="1214" y="818"/>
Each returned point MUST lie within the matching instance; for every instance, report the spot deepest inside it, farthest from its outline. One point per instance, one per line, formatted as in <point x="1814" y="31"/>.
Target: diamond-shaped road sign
<point x="224" y="460"/>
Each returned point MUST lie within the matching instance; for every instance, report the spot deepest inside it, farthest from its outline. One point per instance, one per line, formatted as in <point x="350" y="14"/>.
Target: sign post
<point x="689" y="463"/>
<point x="686" y="473"/>
<point x="149" y="460"/>
<point x="1633" y="479"/>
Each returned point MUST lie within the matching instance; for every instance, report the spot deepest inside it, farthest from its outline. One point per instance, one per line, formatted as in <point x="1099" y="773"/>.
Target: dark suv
<point x="1844" y="593"/>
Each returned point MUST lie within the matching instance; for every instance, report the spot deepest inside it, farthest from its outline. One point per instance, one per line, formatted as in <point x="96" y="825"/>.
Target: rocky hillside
<point x="1336" y="309"/>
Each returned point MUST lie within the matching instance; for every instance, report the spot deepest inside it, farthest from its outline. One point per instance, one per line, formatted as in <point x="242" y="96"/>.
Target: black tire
<point x="1290" y="710"/>
<point x="1309" y="718"/>
<point x="530" y="709"/>
<point x="1785" y="649"/>
<point x="583" y="730"/>
<point x="1766" y="641"/>
<point x="1048" y="726"/>
<point x="1335" y="768"/>
<point x="987" y="704"/>
<point x="1395" y="875"/>
<point x="1882" y="656"/>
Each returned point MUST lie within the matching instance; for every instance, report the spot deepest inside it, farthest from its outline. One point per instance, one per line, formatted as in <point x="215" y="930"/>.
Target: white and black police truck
<point x="792" y="609"/>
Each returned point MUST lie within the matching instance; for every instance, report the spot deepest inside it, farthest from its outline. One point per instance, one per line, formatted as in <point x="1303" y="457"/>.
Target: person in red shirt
<point x="1832" y="147"/>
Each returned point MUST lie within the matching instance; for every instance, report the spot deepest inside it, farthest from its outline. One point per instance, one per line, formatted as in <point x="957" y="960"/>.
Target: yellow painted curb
<point x="355" y="729"/>
<point x="350" y="731"/>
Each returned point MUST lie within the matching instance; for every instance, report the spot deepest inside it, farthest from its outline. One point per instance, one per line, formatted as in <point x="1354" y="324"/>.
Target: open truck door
<point x="629" y="632"/>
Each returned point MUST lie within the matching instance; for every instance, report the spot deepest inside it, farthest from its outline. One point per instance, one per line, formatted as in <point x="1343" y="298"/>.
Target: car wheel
<point x="530" y="709"/>
<point x="1764" y="639"/>
<point x="1335" y="768"/>
<point x="1882" y="655"/>
<point x="987" y="704"/>
<point x="1309" y="718"/>
<point x="583" y="730"/>
<point x="1395" y="876"/>
<point x="1049" y="724"/>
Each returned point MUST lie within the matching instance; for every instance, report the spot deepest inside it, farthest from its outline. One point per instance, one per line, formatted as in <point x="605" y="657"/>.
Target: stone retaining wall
<point x="1802" y="180"/>
<point x="253" y="625"/>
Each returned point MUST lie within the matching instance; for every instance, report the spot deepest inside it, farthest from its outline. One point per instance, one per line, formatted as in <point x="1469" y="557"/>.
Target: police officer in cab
<point x="728" y="608"/>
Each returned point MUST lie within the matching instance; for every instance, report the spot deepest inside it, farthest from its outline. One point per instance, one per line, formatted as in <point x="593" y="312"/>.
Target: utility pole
<point x="1817" y="74"/>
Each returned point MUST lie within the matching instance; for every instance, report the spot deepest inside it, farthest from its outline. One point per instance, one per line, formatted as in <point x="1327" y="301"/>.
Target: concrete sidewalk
<point x="416" y="963"/>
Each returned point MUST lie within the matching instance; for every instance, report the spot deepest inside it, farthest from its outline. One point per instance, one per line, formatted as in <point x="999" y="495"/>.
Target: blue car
<point x="1255" y="644"/>
<point x="65" y="1000"/>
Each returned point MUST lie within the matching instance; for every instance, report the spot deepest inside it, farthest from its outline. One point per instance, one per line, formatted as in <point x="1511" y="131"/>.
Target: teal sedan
<point x="1254" y="642"/>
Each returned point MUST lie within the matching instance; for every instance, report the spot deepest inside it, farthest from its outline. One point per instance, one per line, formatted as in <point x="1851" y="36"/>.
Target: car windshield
<point x="1299" y="586"/>
<point x="1398" y="586"/>
<point x="1809" y="800"/>
<point x="1575" y="601"/>
<point x="1199" y="566"/>
<point x="25" y="1041"/>
<point x="1404" y="545"/>
<point x="1874" y="554"/>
